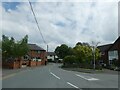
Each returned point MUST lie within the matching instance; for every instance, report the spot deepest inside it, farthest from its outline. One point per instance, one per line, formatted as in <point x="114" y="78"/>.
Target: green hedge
<point x="73" y="62"/>
<point x="70" y="59"/>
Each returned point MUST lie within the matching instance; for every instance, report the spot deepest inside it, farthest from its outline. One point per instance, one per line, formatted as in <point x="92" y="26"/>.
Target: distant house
<point x="37" y="53"/>
<point x="110" y="52"/>
<point x="51" y="56"/>
<point x="114" y="52"/>
<point x="104" y="53"/>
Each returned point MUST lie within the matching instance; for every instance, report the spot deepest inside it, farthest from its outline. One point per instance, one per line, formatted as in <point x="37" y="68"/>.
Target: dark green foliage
<point x="63" y="51"/>
<point x="13" y="49"/>
<point x="0" y="44"/>
<point x="80" y="55"/>
<point x="70" y="59"/>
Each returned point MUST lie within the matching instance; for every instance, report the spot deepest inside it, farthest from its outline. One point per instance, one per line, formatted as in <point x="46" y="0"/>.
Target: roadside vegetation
<point x="0" y="44"/>
<point x="80" y="56"/>
<point x="12" y="49"/>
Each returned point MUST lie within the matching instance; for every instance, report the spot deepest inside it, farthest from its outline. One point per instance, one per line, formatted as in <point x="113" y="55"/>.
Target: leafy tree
<point x="13" y="49"/>
<point x="7" y="46"/>
<point x="71" y="51"/>
<point x="0" y="44"/>
<point x="70" y="59"/>
<point x="57" y="51"/>
<point x="79" y="43"/>
<point x="85" y="54"/>
<point x="21" y="48"/>
<point x="84" y="44"/>
<point x="62" y="51"/>
<point x="81" y="54"/>
<point x="97" y="54"/>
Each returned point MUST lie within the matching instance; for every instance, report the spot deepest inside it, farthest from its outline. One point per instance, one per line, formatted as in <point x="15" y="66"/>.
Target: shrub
<point x="70" y="60"/>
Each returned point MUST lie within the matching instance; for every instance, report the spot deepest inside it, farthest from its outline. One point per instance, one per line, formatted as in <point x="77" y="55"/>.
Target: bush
<point x="70" y="60"/>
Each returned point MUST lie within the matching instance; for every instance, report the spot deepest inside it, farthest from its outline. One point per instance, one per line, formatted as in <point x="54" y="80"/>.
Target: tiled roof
<point x="35" y="47"/>
<point x="118" y="40"/>
<point x="104" y="48"/>
<point x="108" y="46"/>
<point x="51" y="53"/>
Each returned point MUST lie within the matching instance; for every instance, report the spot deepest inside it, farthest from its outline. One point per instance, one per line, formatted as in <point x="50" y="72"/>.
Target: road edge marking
<point x="55" y="75"/>
<point x="13" y="74"/>
<point x="8" y="76"/>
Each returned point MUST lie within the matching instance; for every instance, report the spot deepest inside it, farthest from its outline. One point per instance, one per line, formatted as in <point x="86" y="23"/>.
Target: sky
<point x="61" y="22"/>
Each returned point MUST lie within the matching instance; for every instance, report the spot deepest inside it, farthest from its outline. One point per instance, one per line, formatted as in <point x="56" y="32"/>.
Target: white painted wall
<point x="52" y="57"/>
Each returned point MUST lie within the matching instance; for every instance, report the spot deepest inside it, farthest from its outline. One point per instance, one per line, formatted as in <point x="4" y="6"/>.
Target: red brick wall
<point x="38" y="63"/>
<point x="12" y="65"/>
<point x="105" y="58"/>
<point x="42" y="55"/>
<point x="32" y="63"/>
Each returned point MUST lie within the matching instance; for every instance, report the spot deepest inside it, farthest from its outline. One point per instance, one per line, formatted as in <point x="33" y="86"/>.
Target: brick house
<point x="110" y="52"/>
<point x="35" y="57"/>
<point x="37" y="53"/>
<point x="104" y="53"/>
<point x="114" y="52"/>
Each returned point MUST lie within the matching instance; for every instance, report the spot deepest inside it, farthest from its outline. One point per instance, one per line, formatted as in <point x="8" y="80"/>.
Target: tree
<point x="84" y="44"/>
<point x="0" y="44"/>
<point x="79" y="43"/>
<point x="7" y="46"/>
<point x="70" y="51"/>
<point x="85" y="54"/>
<point x="69" y="60"/>
<point x="21" y="47"/>
<point x="82" y="52"/>
<point x="62" y="51"/>
<point x="57" y="51"/>
<point x="13" y="49"/>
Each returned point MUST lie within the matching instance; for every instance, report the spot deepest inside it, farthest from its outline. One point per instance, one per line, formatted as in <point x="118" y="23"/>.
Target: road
<point x="51" y="76"/>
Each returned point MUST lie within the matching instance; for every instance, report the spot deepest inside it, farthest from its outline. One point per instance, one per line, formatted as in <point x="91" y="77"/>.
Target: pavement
<point x="6" y="72"/>
<point x="51" y="76"/>
<point x="103" y="71"/>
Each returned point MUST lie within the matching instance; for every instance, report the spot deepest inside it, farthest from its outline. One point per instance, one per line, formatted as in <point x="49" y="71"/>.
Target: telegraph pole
<point x="47" y="48"/>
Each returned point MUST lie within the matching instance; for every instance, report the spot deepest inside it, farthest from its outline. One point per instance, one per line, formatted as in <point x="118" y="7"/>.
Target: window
<point x="38" y="51"/>
<point x="110" y="62"/>
<point x="113" y="55"/>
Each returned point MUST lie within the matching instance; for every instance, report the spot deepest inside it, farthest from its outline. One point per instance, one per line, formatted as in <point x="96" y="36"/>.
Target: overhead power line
<point x="37" y="22"/>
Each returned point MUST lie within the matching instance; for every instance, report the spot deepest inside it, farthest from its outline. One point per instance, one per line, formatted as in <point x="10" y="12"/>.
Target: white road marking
<point x="72" y="85"/>
<point x="89" y="78"/>
<point x="66" y="70"/>
<point x="55" y="75"/>
<point x="8" y="76"/>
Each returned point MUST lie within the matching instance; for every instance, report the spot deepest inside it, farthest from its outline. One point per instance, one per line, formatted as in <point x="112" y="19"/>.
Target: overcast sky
<point x="61" y="22"/>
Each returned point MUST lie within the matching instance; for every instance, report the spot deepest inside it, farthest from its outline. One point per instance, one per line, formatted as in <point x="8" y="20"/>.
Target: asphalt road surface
<point x="51" y="76"/>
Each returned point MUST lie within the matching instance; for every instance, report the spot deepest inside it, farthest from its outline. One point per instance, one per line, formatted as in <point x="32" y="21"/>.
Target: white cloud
<point x="63" y="22"/>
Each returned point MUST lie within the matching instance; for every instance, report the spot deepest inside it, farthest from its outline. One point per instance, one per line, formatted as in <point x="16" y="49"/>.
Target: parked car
<point x="117" y="69"/>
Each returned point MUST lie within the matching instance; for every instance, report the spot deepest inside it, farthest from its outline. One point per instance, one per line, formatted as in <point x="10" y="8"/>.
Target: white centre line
<point x="55" y="75"/>
<point x="72" y="85"/>
<point x="89" y="79"/>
